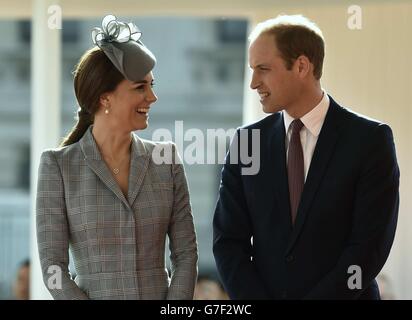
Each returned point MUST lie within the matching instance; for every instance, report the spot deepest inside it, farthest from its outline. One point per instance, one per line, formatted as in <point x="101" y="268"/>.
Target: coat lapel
<point x="277" y="163"/>
<point x="321" y="156"/>
<point x="139" y="164"/>
<point x="96" y="163"/>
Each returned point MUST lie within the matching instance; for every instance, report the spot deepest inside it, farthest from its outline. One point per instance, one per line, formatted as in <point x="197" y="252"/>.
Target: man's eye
<point x="140" y="88"/>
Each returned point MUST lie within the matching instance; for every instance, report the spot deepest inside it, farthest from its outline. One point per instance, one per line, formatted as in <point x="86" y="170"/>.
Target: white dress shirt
<point x="313" y="122"/>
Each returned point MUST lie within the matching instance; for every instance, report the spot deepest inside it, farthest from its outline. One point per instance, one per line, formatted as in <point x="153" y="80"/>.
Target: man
<point x="318" y="219"/>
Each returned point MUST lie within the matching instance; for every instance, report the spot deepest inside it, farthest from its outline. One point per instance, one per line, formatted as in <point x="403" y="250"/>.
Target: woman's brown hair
<point x="94" y="75"/>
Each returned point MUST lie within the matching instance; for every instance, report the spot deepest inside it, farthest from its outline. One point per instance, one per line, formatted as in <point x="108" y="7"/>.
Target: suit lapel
<point x="277" y="163"/>
<point x="95" y="162"/>
<point x="321" y="156"/>
<point x="139" y="165"/>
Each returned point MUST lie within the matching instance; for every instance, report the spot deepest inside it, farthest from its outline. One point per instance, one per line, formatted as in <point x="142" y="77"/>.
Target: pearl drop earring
<point x="106" y="111"/>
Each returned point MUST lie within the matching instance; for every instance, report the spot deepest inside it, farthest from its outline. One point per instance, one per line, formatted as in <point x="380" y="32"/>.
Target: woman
<point x="102" y="193"/>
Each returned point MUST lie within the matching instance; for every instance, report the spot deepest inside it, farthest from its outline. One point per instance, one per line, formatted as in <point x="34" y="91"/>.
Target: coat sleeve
<point x="374" y="215"/>
<point x="53" y="231"/>
<point x="232" y="233"/>
<point x="182" y="238"/>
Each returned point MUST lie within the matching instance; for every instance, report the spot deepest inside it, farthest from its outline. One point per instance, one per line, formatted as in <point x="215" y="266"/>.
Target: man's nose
<point x="255" y="82"/>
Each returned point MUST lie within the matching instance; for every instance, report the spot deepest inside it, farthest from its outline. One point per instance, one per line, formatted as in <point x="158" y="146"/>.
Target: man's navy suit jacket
<point x="346" y="219"/>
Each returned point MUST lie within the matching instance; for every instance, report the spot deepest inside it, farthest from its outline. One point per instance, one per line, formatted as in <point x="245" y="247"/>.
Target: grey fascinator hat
<point x="120" y="42"/>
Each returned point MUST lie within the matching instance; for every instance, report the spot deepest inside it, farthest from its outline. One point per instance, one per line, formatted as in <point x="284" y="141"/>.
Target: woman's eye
<point x="140" y="88"/>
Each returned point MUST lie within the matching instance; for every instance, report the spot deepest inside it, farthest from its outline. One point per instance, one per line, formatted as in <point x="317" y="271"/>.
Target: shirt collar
<point x="314" y="119"/>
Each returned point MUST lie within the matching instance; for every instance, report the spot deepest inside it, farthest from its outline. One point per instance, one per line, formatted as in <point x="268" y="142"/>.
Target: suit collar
<point x="275" y="168"/>
<point x="323" y="152"/>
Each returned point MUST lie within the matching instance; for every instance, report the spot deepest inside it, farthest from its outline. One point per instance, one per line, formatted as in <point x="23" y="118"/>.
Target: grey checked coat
<point x="118" y="244"/>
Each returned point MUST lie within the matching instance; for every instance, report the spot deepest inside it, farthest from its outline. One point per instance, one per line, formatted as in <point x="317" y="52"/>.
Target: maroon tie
<point x="296" y="175"/>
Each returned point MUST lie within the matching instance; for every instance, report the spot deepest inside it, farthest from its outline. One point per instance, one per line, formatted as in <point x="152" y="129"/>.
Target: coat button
<point x="284" y="295"/>
<point x="290" y="258"/>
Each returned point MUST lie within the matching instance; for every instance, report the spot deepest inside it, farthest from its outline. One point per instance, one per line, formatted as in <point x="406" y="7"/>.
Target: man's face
<point x="276" y="86"/>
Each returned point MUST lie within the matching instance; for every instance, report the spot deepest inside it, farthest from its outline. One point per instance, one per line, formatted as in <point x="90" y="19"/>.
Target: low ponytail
<point x="94" y="75"/>
<point x="83" y="122"/>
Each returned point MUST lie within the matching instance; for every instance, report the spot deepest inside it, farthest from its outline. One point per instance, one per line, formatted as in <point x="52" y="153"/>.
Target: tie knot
<point x="296" y="125"/>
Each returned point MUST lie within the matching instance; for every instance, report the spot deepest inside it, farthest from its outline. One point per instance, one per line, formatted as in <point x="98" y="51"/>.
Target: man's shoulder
<point x="354" y="120"/>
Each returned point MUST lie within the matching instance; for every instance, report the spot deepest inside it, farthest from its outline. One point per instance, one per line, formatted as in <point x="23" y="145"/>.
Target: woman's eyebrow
<point x="143" y="81"/>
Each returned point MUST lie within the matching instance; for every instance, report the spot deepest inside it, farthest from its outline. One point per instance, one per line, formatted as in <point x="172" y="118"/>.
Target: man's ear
<point x="303" y="66"/>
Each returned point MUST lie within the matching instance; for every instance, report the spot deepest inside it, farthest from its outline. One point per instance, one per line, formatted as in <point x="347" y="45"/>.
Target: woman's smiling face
<point x="128" y="105"/>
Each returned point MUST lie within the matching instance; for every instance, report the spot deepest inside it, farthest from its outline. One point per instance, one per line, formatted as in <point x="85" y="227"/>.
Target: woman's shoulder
<point x="150" y="145"/>
<point x="161" y="152"/>
<point x="61" y="152"/>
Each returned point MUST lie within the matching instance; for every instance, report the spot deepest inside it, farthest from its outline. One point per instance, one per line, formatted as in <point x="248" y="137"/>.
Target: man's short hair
<point x="294" y="35"/>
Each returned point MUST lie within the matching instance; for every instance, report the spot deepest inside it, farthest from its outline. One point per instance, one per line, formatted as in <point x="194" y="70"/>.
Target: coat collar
<point x="91" y="150"/>
<point x="139" y="163"/>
